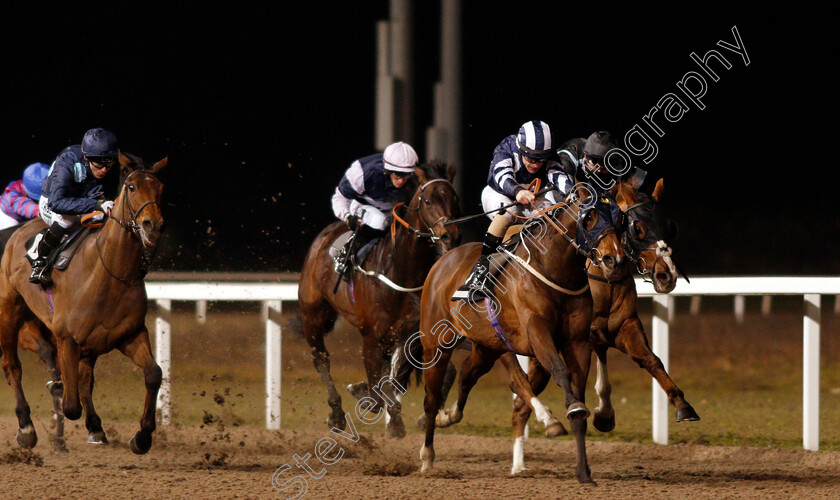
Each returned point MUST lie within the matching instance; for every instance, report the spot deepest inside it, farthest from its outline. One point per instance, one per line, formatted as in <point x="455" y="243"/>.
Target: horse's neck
<point x="412" y="256"/>
<point x="119" y="251"/>
<point x="560" y="261"/>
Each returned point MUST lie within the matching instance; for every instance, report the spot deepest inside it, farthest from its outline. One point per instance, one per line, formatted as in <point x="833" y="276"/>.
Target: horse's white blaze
<point x="664" y="251"/>
<point x="542" y="412"/>
<point x="518" y="455"/>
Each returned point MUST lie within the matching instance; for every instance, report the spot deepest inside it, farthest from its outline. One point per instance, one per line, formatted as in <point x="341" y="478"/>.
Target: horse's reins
<point x="133" y="228"/>
<point x="418" y="233"/>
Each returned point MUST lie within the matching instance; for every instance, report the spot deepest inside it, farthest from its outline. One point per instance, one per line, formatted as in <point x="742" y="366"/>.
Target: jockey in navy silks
<point x="586" y="160"/>
<point x="517" y="161"/>
<point x="371" y="187"/>
<point x="75" y="186"/>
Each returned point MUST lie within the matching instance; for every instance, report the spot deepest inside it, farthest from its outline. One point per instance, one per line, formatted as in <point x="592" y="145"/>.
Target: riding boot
<point x="364" y="236"/>
<point x="49" y="241"/>
<point x="477" y="280"/>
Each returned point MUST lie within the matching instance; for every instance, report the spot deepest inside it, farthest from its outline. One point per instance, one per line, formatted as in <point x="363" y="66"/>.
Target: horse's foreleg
<point x="381" y="389"/>
<point x="546" y="353"/>
<point x="26" y="435"/>
<point x="631" y="340"/>
<point x="603" y="417"/>
<point x="578" y="355"/>
<point x="139" y="350"/>
<point x="68" y="362"/>
<point x="92" y="421"/>
<point x="315" y="326"/>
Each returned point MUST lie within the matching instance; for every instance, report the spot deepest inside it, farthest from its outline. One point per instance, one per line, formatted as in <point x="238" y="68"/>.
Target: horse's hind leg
<point x="47" y="352"/>
<point x="631" y="340"/>
<point x="546" y="353"/>
<point x="538" y="378"/>
<point x="11" y="316"/>
<point x="139" y="350"/>
<point x="479" y="362"/>
<point x="92" y="421"/>
<point x="317" y="321"/>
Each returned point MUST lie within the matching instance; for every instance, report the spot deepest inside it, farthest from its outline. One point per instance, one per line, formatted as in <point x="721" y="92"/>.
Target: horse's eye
<point x="426" y="201"/>
<point x="639" y="229"/>
<point x="130" y="187"/>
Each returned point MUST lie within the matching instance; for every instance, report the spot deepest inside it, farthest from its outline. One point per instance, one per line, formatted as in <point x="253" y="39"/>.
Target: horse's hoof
<point x="27" y="437"/>
<point x="421" y="422"/>
<point x="687" y="414"/>
<point x="55" y="388"/>
<point x="577" y="411"/>
<point x="358" y="390"/>
<point x="97" y="438"/>
<point x="555" y="429"/>
<point x="59" y="446"/>
<point x="603" y="422"/>
<point x="140" y="443"/>
<point x="395" y="428"/>
<point x="337" y="421"/>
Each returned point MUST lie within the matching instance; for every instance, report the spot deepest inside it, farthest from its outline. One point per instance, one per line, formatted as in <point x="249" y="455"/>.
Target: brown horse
<point x="96" y="304"/>
<point x="615" y="320"/>
<point x="36" y="338"/>
<point x="383" y="315"/>
<point x="543" y="310"/>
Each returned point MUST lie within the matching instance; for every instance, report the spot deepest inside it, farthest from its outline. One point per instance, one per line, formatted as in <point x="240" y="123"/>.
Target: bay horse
<point x="36" y="338"/>
<point x="97" y="304"/>
<point x="615" y="320"/>
<point x="543" y="311"/>
<point x="383" y="315"/>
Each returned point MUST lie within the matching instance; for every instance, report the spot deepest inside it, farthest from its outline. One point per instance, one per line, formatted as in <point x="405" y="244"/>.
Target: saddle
<point x="339" y="248"/>
<point x="60" y="257"/>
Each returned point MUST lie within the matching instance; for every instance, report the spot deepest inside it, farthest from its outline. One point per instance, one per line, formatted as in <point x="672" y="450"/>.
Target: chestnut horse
<point x="383" y="315"/>
<point x="97" y="304"/>
<point x="615" y="320"/>
<point x="543" y="310"/>
<point x="36" y="338"/>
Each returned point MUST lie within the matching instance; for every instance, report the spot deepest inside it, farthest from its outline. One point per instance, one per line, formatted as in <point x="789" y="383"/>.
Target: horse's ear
<point x="421" y="175"/>
<point x="126" y="164"/>
<point x="622" y="192"/>
<point x="157" y="167"/>
<point x="659" y="190"/>
<point x="450" y="173"/>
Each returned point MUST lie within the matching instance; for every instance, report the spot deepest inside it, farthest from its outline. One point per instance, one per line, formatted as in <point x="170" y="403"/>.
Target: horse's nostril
<point x="609" y="260"/>
<point x="663" y="276"/>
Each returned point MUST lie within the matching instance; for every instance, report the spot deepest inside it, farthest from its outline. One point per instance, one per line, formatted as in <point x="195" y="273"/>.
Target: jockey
<point x="371" y="187"/>
<point x="517" y="160"/>
<point x="19" y="201"/>
<point x="75" y="186"/>
<point x="583" y="160"/>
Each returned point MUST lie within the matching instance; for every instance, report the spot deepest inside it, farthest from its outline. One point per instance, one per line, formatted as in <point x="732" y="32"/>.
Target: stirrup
<point x="40" y="274"/>
<point x="475" y="284"/>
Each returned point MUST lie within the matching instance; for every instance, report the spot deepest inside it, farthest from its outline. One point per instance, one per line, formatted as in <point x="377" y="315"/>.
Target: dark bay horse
<point x="36" y="338"/>
<point x="615" y="320"/>
<point x="543" y="305"/>
<point x="383" y="315"/>
<point x="97" y="304"/>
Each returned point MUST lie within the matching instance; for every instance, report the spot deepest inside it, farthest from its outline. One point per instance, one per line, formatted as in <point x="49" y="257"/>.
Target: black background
<point x="261" y="109"/>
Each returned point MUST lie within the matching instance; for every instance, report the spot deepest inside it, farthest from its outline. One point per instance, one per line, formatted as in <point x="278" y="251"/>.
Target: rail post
<point x="163" y="357"/>
<point x="273" y="364"/>
<point x="661" y="305"/>
<point x="811" y="373"/>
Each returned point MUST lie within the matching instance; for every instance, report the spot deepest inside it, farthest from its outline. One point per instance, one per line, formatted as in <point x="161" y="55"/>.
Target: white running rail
<point x="272" y="296"/>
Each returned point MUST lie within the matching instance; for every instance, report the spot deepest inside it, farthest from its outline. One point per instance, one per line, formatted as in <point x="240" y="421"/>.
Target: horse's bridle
<point x="608" y="226"/>
<point x="134" y="228"/>
<point x="430" y="231"/>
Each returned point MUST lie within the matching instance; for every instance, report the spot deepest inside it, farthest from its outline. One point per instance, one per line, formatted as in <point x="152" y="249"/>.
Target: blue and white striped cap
<point x="400" y="157"/>
<point x="534" y="140"/>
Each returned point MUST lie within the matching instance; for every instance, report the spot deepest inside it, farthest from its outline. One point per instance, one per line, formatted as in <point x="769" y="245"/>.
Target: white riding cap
<point x="400" y="157"/>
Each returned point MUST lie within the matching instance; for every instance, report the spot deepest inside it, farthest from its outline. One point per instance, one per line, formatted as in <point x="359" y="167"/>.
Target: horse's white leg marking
<point x="518" y="455"/>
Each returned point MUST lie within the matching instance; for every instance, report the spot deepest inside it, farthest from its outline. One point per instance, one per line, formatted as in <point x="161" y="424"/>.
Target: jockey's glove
<point x="104" y="206"/>
<point x="352" y="222"/>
